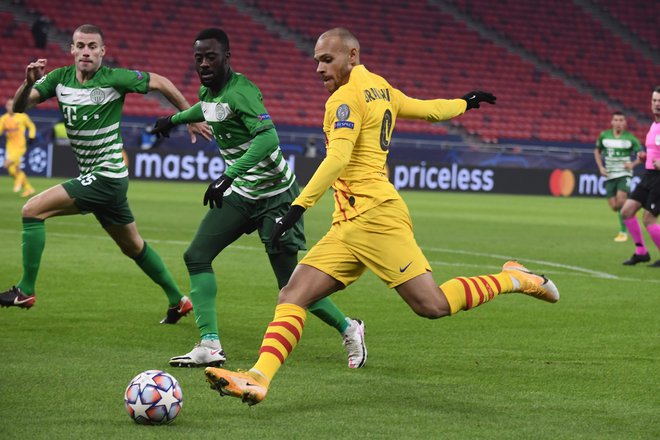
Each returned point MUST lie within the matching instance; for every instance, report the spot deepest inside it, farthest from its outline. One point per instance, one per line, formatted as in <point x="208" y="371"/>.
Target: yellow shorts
<point x="381" y="239"/>
<point x="14" y="154"/>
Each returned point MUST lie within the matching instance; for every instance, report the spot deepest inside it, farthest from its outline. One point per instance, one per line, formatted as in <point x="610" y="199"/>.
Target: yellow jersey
<point x="14" y="126"/>
<point x="358" y="124"/>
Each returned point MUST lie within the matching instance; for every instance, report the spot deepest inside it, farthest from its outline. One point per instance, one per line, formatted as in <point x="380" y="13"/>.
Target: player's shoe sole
<point x="236" y="384"/>
<point x="538" y="286"/>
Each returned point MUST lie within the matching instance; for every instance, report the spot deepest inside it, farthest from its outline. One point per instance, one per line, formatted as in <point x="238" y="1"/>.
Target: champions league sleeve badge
<point x="343" y="112"/>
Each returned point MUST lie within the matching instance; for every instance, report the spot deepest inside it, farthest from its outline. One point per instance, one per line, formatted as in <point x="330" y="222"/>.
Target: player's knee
<point x="30" y="210"/>
<point x="131" y="249"/>
<point x="196" y="261"/>
<point x="291" y="295"/>
<point x="431" y="310"/>
<point x="627" y="212"/>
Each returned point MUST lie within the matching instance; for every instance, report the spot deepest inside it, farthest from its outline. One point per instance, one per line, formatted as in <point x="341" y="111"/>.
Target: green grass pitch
<point x="587" y="367"/>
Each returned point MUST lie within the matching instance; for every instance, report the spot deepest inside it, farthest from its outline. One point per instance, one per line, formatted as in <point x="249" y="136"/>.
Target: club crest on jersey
<point x="139" y="74"/>
<point x="97" y="96"/>
<point x="221" y="112"/>
<point x="343" y="112"/>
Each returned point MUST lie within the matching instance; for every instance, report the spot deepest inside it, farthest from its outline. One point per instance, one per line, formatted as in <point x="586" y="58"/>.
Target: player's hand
<point x="285" y="223"/>
<point x="475" y="97"/>
<point x="215" y="191"/>
<point x="199" y="128"/>
<point x="35" y="70"/>
<point x="629" y="165"/>
<point x="163" y="127"/>
<point x="603" y="171"/>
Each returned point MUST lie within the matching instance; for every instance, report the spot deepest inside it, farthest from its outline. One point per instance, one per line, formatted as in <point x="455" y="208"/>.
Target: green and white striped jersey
<point x="236" y="115"/>
<point x="92" y="112"/>
<point x="616" y="151"/>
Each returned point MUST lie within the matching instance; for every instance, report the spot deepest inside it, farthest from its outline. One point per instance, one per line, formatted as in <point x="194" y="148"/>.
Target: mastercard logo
<point x="562" y="183"/>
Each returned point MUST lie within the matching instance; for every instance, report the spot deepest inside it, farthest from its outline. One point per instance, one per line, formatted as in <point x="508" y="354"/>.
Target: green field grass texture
<point x="517" y="368"/>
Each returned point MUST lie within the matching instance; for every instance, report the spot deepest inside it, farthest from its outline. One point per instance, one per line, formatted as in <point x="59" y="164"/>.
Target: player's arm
<point x="174" y="96"/>
<point x="32" y="129"/>
<point x="436" y="110"/>
<point x="336" y="160"/>
<point x="26" y="96"/>
<point x="640" y="155"/>
<point x="598" y="157"/>
<point x="262" y="146"/>
<point x="338" y="156"/>
<point x="432" y="110"/>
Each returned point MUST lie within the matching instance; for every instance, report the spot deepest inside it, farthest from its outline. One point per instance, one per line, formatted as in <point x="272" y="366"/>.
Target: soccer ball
<point x="153" y="397"/>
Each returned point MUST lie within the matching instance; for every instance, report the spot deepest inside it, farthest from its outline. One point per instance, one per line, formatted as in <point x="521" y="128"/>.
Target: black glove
<point x="216" y="189"/>
<point x="31" y="141"/>
<point x="476" y="96"/>
<point x="163" y="127"/>
<point x="285" y="223"/>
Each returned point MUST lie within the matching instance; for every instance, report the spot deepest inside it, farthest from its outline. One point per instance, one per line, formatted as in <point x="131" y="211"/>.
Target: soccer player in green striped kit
<point x="91" y="99"/>
<point x="254" y="192"/>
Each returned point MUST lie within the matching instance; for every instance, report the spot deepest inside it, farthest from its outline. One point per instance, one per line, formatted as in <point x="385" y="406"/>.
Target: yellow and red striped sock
<point x="464" y="293"/>
<point x="281" y="338"/>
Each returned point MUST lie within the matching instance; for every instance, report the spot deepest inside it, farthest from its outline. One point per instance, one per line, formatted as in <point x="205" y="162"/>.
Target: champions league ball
<point x="153" y="397"/>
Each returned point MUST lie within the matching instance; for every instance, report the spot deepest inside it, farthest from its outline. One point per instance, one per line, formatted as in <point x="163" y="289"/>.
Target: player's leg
<point x="307" y="285"/>
<point x="387" y="246"/>
<point x="616" y="203"/>
<point x="12" y="169"/>
<point x="318" y="275"/>
<point x="53" y="202"/>
<point x="629" y="214"/>
<point x="283" y="260"/>
<point x="650" y="219"/>
<point x="351" y="330"/>
<point x="20" y="178"/>
<point x="326" y="310"/>
<point x="106" y="198"/>
<point x="133" y="245"/>
<point x="429" y="300"/>
<point x="218" y="229"/>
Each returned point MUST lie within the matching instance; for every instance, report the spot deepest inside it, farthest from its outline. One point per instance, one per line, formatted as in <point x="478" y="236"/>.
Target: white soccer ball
<point x="153" y="397"/>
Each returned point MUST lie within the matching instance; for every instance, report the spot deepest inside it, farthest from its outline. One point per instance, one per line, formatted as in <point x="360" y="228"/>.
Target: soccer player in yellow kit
<point x="14" y="125"/>
<point x="371" y="223"/>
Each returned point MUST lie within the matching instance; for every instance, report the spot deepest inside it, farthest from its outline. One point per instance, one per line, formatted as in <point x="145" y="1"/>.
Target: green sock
<point x="151" y="264"/>
<point x="33" y="243"/>
<point x="622" y="225"/>
<point x="203" y="289"/>
<point x="326" y="310"/>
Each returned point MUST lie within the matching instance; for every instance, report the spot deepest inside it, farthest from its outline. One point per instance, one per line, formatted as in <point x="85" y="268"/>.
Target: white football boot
<point x="354" y="344"/>
<point x="207" y="353"/>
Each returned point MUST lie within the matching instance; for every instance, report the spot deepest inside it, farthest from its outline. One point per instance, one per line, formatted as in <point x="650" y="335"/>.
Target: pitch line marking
<point x="572" y="270"/>
<point x="594" y="273"/>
